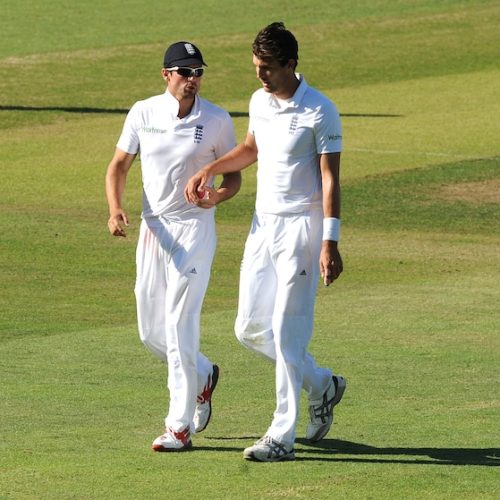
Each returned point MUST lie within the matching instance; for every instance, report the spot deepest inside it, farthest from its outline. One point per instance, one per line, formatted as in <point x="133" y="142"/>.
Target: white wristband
<point x="331" y="229"/>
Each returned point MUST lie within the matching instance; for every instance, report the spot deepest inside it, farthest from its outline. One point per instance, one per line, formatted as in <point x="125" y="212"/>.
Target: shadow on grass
<point x="327" y="449"/>
<point x="71" y="109"/>
<point x="436" y="456"/>
<point x="66" y="109"/>
<point x="86" y="110"/>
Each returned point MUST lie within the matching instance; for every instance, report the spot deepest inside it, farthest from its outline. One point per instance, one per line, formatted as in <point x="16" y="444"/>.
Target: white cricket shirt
<point x="289" y="136"/>
<point x="172" y="149"/>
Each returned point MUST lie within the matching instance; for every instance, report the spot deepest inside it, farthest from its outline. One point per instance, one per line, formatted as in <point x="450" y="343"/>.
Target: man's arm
<point x="237" y="159"/>
<point x="330" y="261"/>
<point x="116" y="179"/>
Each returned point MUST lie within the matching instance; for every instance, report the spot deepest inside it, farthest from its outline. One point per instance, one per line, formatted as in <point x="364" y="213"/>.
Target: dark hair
<point x="276" y="42"/>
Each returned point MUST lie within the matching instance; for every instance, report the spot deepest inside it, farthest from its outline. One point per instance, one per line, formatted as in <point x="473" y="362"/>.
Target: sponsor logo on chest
<point x="153" y="130"/>
<point x="197" y="132"/>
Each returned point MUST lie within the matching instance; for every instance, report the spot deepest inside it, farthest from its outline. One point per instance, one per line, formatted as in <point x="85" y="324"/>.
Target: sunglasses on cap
<point x="187" y="72"/>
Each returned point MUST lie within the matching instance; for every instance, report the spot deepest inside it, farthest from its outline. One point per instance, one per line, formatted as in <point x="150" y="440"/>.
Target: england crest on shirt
<point x="198" y="134"/>
<point x="293" y="124"/>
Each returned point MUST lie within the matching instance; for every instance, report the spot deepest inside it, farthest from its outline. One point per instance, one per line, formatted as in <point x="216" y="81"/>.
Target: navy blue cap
<point x="182" y="54"/>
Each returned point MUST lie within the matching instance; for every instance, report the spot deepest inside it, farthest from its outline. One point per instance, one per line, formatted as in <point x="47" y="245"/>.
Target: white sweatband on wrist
<point x="331" y="229"/>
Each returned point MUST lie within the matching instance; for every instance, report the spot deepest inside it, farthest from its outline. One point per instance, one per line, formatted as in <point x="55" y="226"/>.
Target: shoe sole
<point x="215" y="379"/>
<point x="285" y="458"/>
<point x="161" y="449"/>
<point x="340" y="385"/>
<point x="339" y="389"/>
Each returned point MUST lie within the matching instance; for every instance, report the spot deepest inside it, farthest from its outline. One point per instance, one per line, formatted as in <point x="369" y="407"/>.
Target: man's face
<point x="182" y="87"/>
<point x="274" y="77"/>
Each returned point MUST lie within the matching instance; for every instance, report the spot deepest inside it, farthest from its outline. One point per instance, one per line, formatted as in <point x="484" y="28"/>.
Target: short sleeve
<point x="251" y="114"/>
<point x="328" y="129"/>
<point x="227" y="138"/>
<point x="129" y="138"/>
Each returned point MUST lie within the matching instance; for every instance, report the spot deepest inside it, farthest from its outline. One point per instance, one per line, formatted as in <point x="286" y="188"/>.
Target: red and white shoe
<point x="203" y="410"/>
<point x="173" y="441"/>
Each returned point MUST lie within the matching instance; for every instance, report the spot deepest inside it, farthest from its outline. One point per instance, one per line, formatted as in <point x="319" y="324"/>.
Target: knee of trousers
<point x="252" y="333"/>
<point x="153" y="345"/>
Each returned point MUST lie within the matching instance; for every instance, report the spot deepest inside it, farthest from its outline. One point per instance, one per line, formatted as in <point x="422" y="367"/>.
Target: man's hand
<point x="195" y="186"/>
<point x="207" y="197"/>
<point x="116" y="224"/>
<point x="330" y="262"/>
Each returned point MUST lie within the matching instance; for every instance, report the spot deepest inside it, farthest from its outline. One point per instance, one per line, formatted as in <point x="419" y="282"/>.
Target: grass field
<point x="413" y="323"/>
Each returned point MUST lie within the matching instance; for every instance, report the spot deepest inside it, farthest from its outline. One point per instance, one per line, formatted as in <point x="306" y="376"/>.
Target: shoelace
<point x="181" y="435"/>
<point x="276" y="449"/>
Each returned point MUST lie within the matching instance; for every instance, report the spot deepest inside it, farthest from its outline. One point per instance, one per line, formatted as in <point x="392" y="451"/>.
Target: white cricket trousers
<point x="173" y="260"/>
<point x="278" y="283"/>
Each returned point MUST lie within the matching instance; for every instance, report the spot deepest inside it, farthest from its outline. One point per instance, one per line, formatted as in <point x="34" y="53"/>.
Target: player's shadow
<point x="358" y="452"/>
<point x="334" y="450"/>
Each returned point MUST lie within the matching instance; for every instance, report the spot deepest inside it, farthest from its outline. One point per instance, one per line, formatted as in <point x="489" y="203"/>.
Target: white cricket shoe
<point x="173" y="441"/>
<point x="321" y="410"/>
<point x="267" y="449"/>
<point x="203" y="410"/>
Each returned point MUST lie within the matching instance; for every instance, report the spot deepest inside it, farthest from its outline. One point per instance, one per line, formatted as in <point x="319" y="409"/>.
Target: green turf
<point x="413" y="323"/>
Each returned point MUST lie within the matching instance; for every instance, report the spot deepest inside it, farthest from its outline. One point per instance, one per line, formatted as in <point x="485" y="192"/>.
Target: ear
<point x="165" y="74"/>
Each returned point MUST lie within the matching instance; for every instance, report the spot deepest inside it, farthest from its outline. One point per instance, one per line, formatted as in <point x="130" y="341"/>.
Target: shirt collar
<point x="295" y="100"/>
<point x="173" y="104"/>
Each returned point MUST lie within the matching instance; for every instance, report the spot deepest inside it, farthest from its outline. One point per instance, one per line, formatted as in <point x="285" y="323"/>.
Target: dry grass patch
<point x="475" y="193"/>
